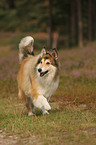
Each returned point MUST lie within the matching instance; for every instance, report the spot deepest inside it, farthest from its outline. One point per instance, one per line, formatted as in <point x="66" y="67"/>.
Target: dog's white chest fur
<point x="48" y="87"/>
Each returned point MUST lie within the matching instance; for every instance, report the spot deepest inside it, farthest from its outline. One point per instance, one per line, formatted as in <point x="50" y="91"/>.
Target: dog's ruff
<point x="38" y="79"/>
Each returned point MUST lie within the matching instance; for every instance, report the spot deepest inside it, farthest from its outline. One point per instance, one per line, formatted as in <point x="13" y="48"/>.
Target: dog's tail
<point x="25" y="47"/>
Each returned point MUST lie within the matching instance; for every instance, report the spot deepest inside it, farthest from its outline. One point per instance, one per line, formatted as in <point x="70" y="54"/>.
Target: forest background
<point x="69" y="22"/>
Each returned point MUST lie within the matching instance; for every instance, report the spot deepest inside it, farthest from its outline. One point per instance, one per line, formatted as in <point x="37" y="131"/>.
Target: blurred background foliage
<point x="69" y="22"/>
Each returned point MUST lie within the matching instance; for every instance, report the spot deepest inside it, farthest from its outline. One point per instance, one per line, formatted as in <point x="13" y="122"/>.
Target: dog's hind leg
<point x="28" y="101"/>
<point x="29" y="106"/>
<point x="21" y="95"/>
<point x="42" y="103"/>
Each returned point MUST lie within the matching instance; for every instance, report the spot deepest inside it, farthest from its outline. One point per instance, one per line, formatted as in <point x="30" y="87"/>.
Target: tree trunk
<point x="50" y="24"/>
<point x="89" y="20"/>
<point x="55" y="39"/>
<point x="73" y="28"/>
<point x="11" y="4"/>
<point x="69" y="27"/>
<point x="94" y="19"/>
<point x="79" y="13"/>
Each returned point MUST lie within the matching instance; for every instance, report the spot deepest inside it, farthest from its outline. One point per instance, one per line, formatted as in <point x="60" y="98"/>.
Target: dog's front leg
<point x="42" y="103"/>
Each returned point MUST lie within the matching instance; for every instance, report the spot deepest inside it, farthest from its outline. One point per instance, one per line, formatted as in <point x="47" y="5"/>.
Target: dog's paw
<point x="45" y="112"/>
<point x="30" y="114"/>
<point x="41" y="102"/>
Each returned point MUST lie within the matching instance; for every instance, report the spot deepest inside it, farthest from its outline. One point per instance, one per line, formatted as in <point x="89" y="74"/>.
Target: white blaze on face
<point x="47" y="61"/>
<point x="43" y="67"/>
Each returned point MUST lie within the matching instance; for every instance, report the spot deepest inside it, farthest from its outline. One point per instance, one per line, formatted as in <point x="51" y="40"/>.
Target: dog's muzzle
<point x="42" y="73"/>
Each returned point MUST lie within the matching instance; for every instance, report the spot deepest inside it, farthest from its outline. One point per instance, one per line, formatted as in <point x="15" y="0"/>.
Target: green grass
<point x="77" y="91"/>
<point x="70" y="125"/>
<point x="72" y="119"/>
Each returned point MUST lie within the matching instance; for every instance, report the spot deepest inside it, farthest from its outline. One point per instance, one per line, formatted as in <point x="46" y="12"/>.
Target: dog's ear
<point x="54" y="53"/>
<point x="43" y="51"/>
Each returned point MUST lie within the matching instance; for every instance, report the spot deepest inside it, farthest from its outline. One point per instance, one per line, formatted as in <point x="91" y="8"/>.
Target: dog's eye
<point x="47" y="62"/>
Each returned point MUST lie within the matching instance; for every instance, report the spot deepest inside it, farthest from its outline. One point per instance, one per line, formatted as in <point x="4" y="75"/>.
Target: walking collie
<point x="38" y="76"/>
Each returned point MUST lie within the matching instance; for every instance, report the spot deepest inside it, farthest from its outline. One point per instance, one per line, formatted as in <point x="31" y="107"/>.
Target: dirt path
<point x="16" y="140"/>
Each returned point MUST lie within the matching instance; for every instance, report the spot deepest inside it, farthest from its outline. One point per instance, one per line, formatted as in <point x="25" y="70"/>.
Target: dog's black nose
<point x="39" y="70"/>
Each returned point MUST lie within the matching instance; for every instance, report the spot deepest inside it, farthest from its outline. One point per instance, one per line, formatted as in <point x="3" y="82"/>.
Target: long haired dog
<point x="38" y="78"/>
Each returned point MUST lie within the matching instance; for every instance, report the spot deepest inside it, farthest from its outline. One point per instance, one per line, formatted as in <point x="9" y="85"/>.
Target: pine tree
<point x="89" y="20"/>
<point x="80" y="34"/>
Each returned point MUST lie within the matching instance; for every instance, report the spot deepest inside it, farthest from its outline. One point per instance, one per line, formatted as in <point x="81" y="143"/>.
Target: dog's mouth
<point x="43" y="73"/>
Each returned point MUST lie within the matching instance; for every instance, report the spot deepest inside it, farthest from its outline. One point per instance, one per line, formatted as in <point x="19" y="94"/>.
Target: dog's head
<point x="47" y="63"/>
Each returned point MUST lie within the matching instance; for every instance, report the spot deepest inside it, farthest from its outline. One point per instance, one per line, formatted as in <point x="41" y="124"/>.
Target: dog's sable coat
<point x="38" y="79"/>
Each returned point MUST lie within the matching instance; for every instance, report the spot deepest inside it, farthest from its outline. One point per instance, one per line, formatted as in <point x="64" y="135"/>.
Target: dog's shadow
<point x="39" y="112"/>
<point x="55" y="109"/>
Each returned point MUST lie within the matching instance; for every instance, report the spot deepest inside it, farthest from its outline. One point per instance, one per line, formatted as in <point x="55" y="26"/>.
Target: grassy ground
<point x="72" y="119"/>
